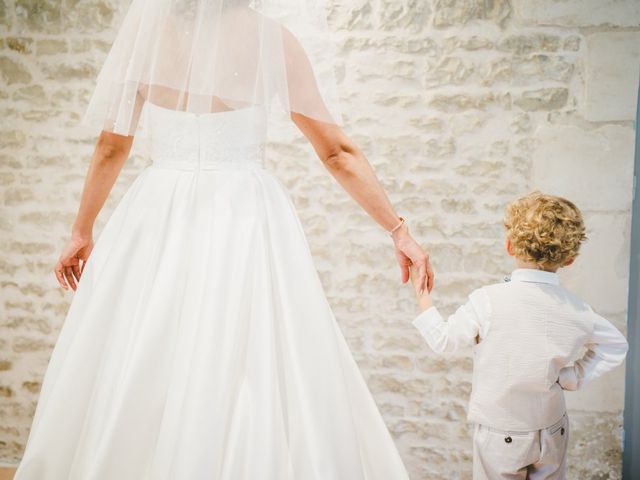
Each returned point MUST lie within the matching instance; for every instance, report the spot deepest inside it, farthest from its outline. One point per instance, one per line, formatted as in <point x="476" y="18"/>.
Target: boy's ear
<point x="569" y="262"/>
<point x="508" y="246"/>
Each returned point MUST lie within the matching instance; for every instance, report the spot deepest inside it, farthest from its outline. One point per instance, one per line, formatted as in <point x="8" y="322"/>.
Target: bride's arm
<point x="352" y="170"/>
<point x="110" y="153"/>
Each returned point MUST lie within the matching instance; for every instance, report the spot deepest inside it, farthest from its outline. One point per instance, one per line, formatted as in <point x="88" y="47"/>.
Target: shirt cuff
<point x="568" y="379"/>
<point x="428" y="320"/>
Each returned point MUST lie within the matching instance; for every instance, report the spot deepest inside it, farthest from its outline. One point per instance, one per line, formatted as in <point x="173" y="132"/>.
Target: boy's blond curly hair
<point x="544" y="229"/>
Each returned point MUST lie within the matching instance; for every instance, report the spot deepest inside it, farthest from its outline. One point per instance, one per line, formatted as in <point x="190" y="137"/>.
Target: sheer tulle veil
<point x="204" y="56"/>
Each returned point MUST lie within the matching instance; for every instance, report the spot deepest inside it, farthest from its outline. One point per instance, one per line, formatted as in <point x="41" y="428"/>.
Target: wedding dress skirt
<point x="199" y="344"/>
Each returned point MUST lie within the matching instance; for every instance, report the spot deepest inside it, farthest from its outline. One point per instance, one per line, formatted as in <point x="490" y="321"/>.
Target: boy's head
<point x="543" y="231"/>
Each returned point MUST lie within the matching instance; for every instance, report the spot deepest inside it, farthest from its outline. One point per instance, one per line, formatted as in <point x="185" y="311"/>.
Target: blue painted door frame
<point x="631" y="453"/>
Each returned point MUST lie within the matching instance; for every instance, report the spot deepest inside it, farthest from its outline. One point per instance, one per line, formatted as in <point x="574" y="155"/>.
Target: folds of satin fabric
<point x="200" y="345"/>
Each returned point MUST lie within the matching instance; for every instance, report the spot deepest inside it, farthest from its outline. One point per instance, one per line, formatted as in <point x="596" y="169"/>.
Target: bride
<point x="199" y="343"/>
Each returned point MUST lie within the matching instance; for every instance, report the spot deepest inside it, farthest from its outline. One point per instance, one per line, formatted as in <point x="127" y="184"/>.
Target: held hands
<point x="409" y="254"/>
<point x="68" y="269"/>
<point x="424" y="299"/>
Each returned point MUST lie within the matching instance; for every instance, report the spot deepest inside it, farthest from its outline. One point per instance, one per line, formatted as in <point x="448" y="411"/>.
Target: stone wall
<point x="461" y="105"/>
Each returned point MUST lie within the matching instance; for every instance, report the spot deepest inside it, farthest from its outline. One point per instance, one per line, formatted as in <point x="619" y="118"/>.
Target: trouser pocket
<point x="554" y="441"/>
<point x="500" y="454"/>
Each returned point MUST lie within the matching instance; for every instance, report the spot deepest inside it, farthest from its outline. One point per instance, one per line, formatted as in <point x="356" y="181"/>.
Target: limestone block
<point x="8" y="178"/>
<point x="542" y="99"/>
<point x="39" y="15"/>
<point x="529" y="43"/>
<point x="93" y="16"/>
<point x="25" y="344"/>
<point x="468" y="122"/>
<point x="592" y="168"/>
<point x="34" y="94"/>
<point x="21" y="45"/>
<point x="448" y="71"/>
<point x="62" y="98"/>
<point x="70" y="71"/>
<point x="521" y="123"/>
<point x="13" y="71"/>
<point x="600" y="274"/>
<point x="13" y="138"/>
<point x="612" y="74"/>
<point x="102" y="46"/>
<point x="17" y="196"/>
<point x="496" y="71"/>
<point x="81" y="45"/>
<point x="409" y="15"/>
<point x="32" y="387"/>
<point x="541" y="68"/>
<point x="460" y="12"/>
<point x="578" y="13"/>
<point x="469" y="43"/>
<point x="426" y="46"/>
<point x="531" y="70"/>
<point x="572" y="43"/>
<point x="51" y="47"/>
<point x="351" y="15"/>
<point x="460" y="102"/>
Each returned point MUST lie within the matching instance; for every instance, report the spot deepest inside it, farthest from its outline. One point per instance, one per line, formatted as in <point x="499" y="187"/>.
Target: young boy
<point x="525" y="334"/>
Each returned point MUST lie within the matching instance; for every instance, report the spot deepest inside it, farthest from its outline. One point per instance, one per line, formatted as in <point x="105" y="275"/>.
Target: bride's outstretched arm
<point x="110" y="153"/>
<point x="352" y="170"/>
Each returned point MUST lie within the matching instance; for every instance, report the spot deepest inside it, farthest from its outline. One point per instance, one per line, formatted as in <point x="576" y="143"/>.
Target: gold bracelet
<point x="393" y="230"/>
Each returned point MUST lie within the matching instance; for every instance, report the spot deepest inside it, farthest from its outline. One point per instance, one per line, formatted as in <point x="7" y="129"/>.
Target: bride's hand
<point x="409" y="253"/>
<point x="68" y="269"/>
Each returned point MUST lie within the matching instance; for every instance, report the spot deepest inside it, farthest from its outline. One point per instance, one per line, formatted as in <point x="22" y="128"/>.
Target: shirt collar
<point x="536" y="276"/>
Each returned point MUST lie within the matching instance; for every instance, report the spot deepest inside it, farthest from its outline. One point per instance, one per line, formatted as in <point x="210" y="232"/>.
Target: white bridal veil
<point x="206" y="56"/>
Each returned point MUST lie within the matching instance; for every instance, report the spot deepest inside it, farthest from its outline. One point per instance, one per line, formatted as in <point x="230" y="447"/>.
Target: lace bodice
<point x="189" y="141"/>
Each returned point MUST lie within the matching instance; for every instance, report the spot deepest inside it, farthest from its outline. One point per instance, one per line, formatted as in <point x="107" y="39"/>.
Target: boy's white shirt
<point x="606" y="346"/>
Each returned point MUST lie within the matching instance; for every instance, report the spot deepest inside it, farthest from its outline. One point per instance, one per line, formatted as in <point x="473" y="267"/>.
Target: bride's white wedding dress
<point x="199" y="344"/>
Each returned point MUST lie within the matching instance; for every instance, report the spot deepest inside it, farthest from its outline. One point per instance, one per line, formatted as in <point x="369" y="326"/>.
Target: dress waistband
<point x="220" y="165"/>
<point x="237" y="158"/>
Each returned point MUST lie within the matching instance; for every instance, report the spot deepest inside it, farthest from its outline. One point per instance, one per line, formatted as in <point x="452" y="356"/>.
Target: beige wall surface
<point x="460" y="105"/>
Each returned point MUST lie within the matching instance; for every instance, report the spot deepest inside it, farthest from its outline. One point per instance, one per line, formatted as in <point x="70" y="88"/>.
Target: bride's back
<point x="225" y="139"/>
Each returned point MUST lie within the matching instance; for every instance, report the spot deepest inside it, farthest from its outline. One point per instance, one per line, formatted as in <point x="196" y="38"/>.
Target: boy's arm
<point x="606" y="349"/>
<point x="462" y="328"/>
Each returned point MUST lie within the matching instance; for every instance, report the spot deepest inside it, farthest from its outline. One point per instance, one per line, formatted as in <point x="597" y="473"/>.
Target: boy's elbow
<point x="622" y="349"/>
